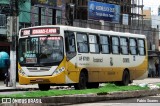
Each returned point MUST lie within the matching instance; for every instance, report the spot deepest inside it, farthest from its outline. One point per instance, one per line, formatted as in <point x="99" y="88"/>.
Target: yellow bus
<point x="83" y="57"/>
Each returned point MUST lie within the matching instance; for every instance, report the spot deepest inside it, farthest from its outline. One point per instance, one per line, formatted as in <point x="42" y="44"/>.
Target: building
<point x="4" y="44"/>
<point x="47" y="12"/>
<point x="129" y="8"/>
<point x="147" y="17"/>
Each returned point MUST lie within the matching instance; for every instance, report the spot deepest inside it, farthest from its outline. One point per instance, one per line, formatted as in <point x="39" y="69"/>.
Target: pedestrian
<point x="157" y="67"/>
<point x="159" y="70"/>
<point x="5" y="64"/>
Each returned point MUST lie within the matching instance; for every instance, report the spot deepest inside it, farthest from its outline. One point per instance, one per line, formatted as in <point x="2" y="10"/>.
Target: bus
<point x="80" y="57"/>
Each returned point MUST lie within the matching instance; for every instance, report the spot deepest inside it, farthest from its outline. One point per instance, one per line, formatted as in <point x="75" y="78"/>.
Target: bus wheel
<point x="93" y="85"/>
<point x="82" y="82"/>
<point x="44" y="87"/>
<point x="125" y="78"/>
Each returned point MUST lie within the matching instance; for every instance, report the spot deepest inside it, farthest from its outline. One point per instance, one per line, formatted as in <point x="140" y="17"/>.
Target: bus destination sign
<point x="39" y="31"/>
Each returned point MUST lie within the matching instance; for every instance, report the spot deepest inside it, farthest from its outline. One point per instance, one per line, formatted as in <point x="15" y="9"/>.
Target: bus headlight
<point x="22" y="72"/>
<point x="57" y="71"/>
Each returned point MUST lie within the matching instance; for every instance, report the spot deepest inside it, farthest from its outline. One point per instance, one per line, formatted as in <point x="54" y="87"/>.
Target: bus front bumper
<point x="59" y="79"/>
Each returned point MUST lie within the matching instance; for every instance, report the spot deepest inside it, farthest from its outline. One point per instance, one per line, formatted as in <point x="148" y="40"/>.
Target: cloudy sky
<point x="154" y="4"/>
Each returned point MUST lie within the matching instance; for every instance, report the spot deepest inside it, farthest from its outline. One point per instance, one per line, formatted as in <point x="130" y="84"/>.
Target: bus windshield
<point x="40" y="50"/>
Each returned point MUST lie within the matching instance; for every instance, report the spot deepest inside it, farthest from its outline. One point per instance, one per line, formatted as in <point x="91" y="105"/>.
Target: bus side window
<point x="124" y="45"/>
<point x="93" y="43"/>
<point x="104" y="44"/>
<point x="115" y="45"/>
<point x="82" y="43"/>
<point x="141" y="47"/>
<point x="70" y="44"/>
<point x="133" y="46"/>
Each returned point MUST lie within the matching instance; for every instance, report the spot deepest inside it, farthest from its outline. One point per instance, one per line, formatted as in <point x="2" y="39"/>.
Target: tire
<point x="82" y="82"/>
<point x="44" y="87"/>
<point x="125" y="78"/>
<point x="93" y="85"/>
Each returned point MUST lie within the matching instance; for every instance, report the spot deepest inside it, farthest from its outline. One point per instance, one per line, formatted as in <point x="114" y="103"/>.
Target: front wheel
<point x="44" y="87"/>
<point x="82" y="82"/>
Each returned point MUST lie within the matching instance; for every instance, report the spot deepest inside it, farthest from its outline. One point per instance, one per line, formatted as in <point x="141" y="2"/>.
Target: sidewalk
<point x="147" y="81"/>
<point x="18" y="87"/>
<point x="35" y="86"/>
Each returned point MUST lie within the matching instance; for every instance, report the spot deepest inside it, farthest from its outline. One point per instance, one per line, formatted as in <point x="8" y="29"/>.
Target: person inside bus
<point x="57" y="52"/>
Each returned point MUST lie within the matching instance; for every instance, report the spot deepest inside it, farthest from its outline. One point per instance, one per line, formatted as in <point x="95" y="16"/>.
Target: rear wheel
<point x="82" y="82"/>
<point x="44" y="87"/>
<point x="125" y="79"/>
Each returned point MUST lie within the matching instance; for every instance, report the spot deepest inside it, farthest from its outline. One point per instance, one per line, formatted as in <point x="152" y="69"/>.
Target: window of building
<point x="93" y="43"/>
<point x="58" y="17"/>
<point x="141" y="46"/>
<point x="34" y="15"/>
<point x="104" y="44"/>
<point x="82" y="43"/>
<point x="2" y="20"/>
<point x="115" y="45"/>
<point x="49" y="16"/>
<point x="43" y="16"/>
<point x="133" y="46"/>
<point x="124" y="46"/>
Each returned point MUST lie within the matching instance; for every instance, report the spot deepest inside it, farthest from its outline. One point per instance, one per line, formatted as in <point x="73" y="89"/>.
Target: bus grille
<point x="38" y="69"/>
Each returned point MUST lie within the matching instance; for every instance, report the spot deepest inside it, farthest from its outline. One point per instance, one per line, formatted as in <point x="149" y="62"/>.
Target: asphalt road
<point x="144" y="101"/>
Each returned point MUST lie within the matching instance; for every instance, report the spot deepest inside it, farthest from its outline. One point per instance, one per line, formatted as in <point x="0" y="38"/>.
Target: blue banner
<point x="103" y="11"/>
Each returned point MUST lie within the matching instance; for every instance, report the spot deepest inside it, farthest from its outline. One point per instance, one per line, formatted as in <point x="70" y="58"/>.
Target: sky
<point x="154" y="4"/>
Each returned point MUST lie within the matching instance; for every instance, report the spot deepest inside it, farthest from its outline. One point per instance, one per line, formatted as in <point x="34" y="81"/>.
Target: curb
<point x="17" y="89"/>
<point x="74" y="99"/>
<point x="86" y="98"/>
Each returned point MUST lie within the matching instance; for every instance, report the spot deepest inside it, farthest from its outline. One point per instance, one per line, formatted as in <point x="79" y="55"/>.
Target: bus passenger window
<point x="93" y="44"/>
<point x="82" y="43"/>
<point x="115" y="45"/>
<point x="124" y="46"/>
<point x="104" y="43"/>
<point x="70" y="44"/>
<point x="133" y="46"/>
<point x="141" y="47"/>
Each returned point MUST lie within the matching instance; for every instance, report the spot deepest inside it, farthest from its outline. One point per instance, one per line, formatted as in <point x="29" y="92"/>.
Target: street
<point x="147" y="101"/>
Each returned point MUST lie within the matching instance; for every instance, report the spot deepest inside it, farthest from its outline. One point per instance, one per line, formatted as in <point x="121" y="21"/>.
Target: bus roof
<point x="89" y="30"/>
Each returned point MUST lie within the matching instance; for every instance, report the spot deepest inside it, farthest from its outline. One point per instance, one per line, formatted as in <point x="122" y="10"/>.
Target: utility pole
<point x="13" y="65"/>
